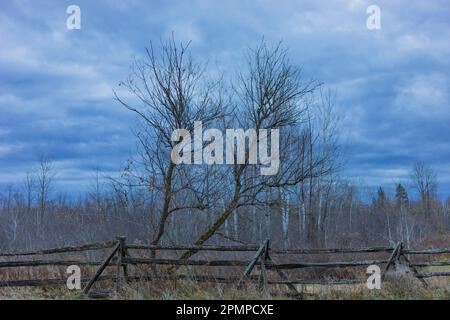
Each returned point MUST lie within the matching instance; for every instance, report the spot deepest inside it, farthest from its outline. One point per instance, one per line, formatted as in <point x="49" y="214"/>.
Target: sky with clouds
<point x="56" y="84"/>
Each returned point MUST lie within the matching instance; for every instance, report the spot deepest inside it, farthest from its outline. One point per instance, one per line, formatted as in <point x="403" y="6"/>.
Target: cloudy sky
<point x="56" y="84"/>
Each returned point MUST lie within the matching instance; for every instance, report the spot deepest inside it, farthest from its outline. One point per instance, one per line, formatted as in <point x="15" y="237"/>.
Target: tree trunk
<point x="211" y="230"/>
<point x="165" y="210"/>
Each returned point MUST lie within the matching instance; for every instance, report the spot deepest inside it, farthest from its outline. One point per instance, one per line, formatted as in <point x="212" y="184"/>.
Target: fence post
<point x="393" y="257"/>
<point x="398" y="255"/>
<point x="121" y="254"/>
<point x="124" y="254"/>
<point x="283" y="275"/>
<point x="100" y="269"/>
<point x="414" y="270"/>
<point x="252" y="264"/>
<point x="265" y="258"/>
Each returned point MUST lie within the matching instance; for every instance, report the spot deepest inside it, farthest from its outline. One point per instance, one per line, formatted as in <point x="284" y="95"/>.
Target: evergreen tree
<point x="401" y="197"/>
<point x="381" y="197"/>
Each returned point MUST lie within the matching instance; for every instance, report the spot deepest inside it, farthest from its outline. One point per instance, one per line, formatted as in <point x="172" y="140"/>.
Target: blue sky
<point x="56" y="84"/>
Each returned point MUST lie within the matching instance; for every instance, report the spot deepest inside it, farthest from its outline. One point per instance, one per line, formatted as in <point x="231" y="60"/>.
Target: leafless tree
<point x="45" y="177"/>
<point x="319" y="143"/>
<point x="271" y="94"/>
<point x="170" y="91"/>
<point x="29" y="185"/>
<point x="424" y="181"/>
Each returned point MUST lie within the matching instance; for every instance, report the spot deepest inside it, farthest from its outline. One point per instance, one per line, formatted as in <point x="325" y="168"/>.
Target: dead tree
<point x="169" y="92"/>
<point x="424" y="181"/>
<point x="45" y="177"/>
<point x="270" y="94"/>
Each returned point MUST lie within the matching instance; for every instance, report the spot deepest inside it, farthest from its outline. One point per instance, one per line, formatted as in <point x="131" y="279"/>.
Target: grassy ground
<point x="395" y="288"/>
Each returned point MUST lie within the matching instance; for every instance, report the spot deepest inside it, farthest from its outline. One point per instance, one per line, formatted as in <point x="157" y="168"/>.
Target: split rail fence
<point x="259" y="268"/>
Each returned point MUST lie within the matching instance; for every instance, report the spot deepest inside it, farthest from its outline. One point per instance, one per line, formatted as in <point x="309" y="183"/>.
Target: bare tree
<point x="319" y="145"/>
<point x="12" y="213"/>
<point x="45" y="176"/>
<point x="424" y="181"/>
<point x="172" y="93"/>
<point x="97" y="192"/>
<point x="30" y="185"/>
<point x="270" y="94"/>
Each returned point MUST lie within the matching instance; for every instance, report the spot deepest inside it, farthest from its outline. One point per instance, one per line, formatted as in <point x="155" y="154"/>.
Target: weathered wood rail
<point x="38" y="261"/>
<point x="263" y="261"/>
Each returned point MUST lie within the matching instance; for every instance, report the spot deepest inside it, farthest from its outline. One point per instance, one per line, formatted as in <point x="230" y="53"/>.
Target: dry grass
<point x="49" y="293"/>
<point x="395" y="288"/>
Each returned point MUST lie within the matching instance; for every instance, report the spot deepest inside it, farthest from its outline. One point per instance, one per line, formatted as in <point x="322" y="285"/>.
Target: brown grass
<point x="394" y="288"/>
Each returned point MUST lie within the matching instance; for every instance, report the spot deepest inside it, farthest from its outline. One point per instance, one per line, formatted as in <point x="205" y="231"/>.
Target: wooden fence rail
<point x="45" y="282"/>
<point x="84" y="247"/>
<point x="331" y="250"/>
<point x="289" y="266"/>
<point x="38" y="263"/>
<point x="194" y="248"/>
<point x="177" y="262"/>
<point x="428" y="251"/>
<point x="121" y="258"/>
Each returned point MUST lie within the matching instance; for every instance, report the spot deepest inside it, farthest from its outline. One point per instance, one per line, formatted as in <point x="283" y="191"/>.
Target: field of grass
<point x="395" y="288"/>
